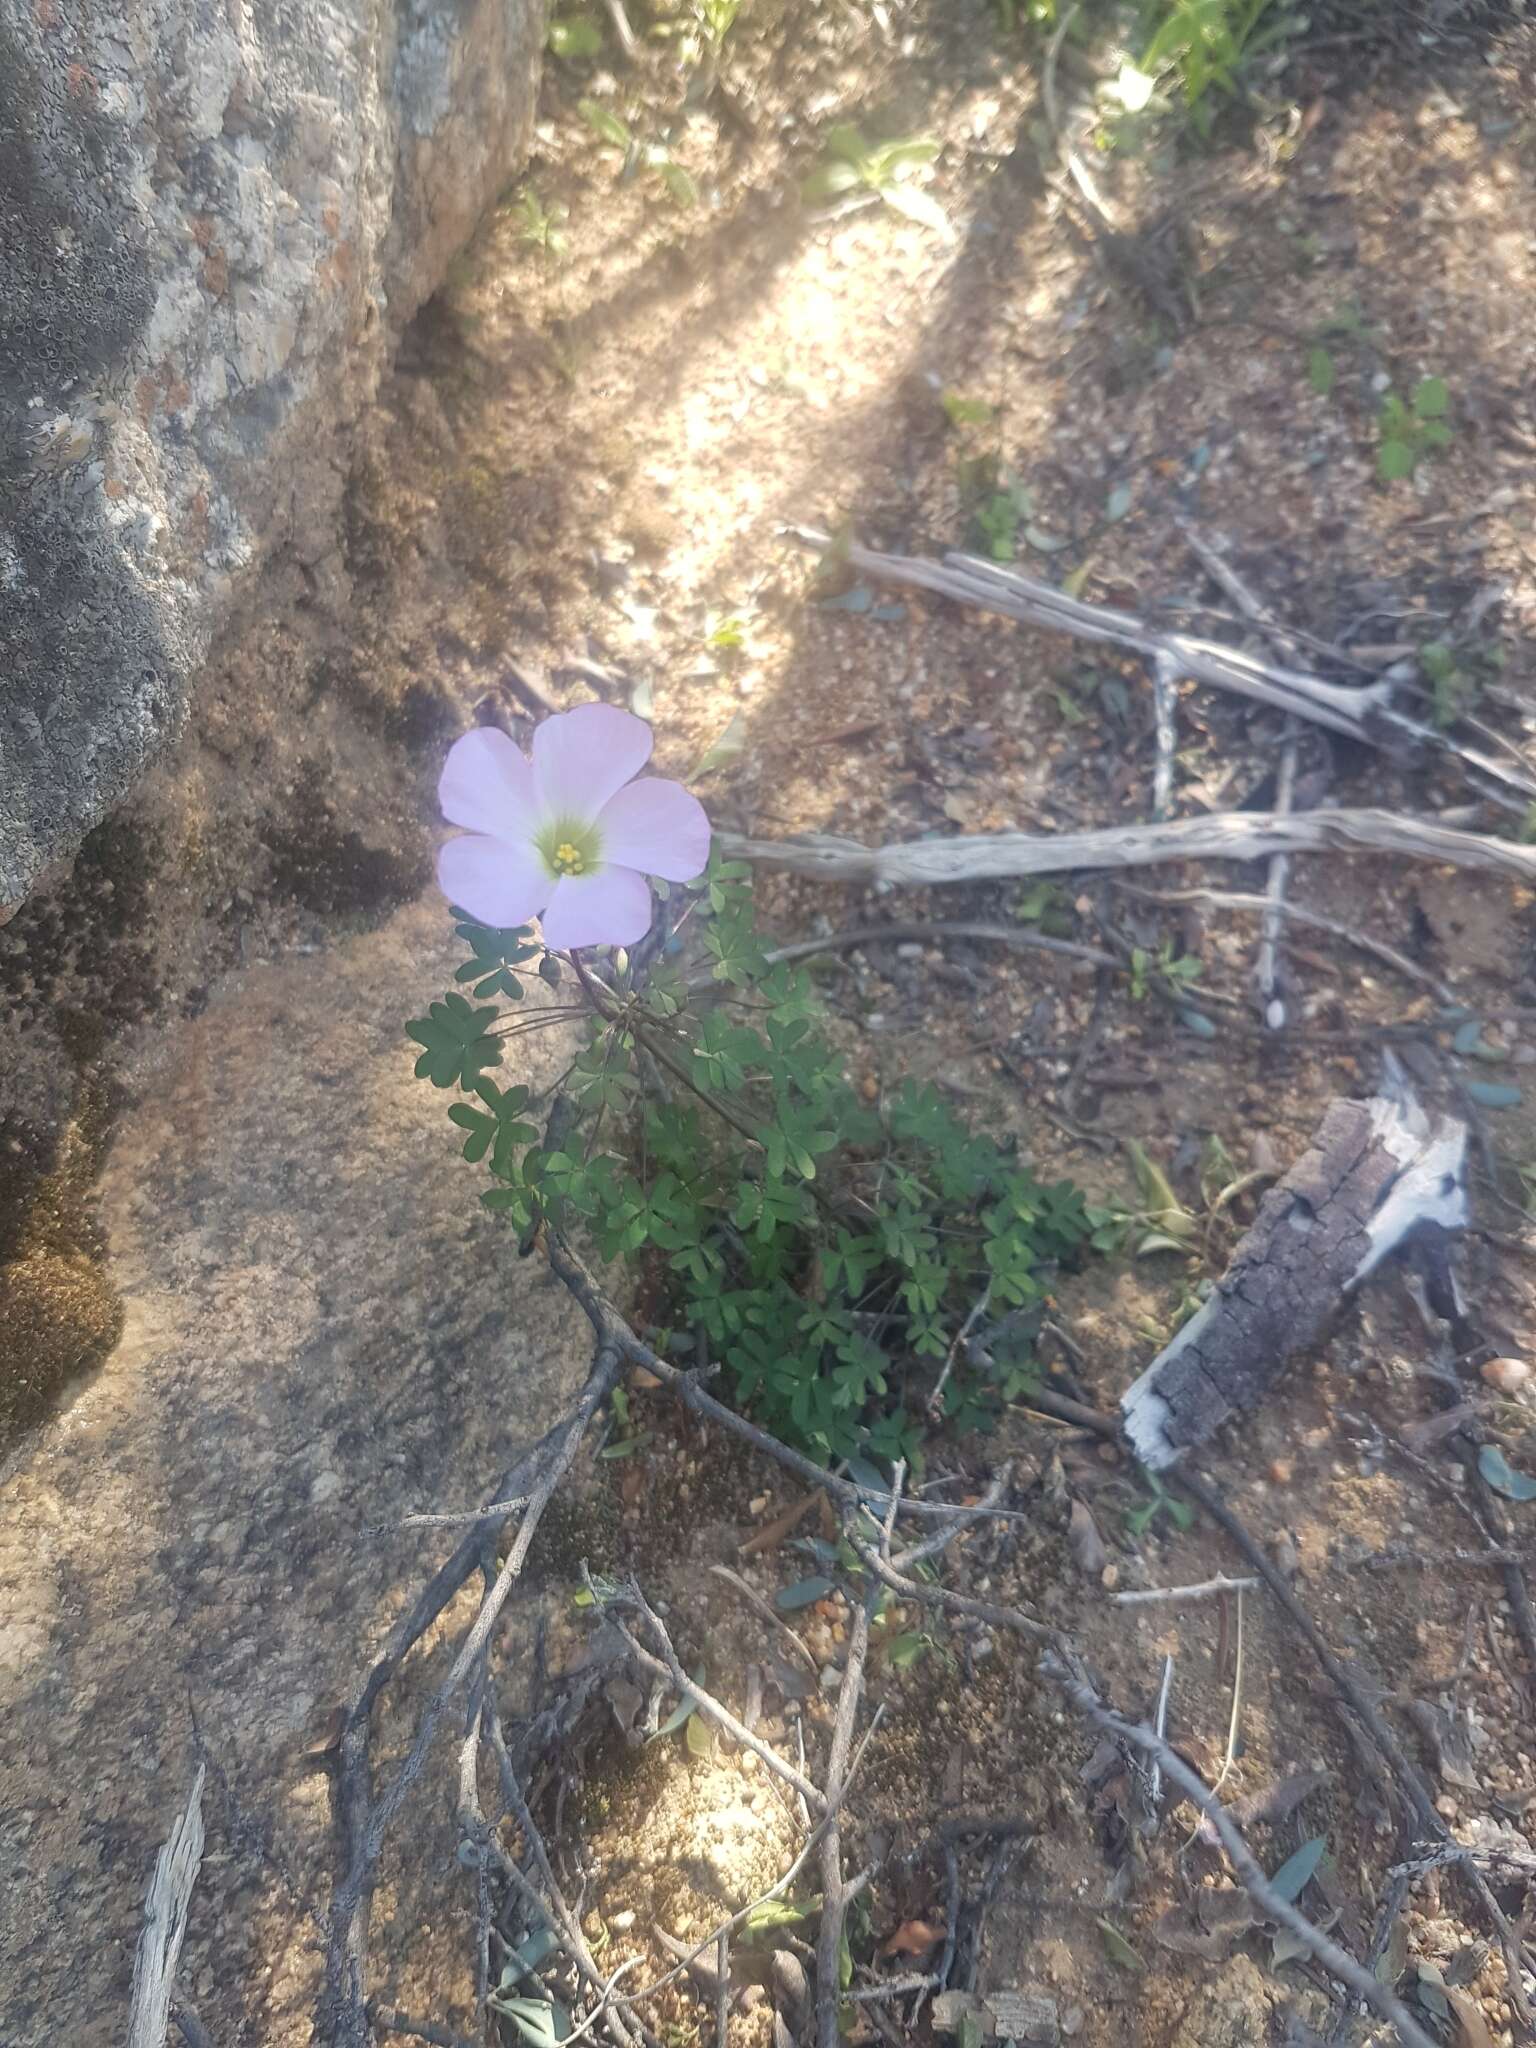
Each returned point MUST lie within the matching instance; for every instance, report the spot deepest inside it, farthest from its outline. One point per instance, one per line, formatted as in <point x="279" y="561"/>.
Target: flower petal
<point x="657" y="827"/>
<point x="609" y="908"/>
<point x="581" y="757"/>
<point x="488" y="786"/>
<point x="495" y="882"/>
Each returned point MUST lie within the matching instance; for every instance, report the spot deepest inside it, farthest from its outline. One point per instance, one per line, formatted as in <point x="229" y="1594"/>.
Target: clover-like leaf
<point x="456" y="1047"/>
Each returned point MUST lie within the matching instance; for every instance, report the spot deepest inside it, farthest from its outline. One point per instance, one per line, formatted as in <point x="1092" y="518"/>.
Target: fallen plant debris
<point x="1379" y="1177"/>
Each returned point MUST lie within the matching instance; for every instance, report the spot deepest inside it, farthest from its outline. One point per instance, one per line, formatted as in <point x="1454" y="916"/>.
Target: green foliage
<point x="1202" y="44"/>
<point x="965" y="412"/>
<point x="1409" y="430"/>
<point x="575" y="37"/>
<point x="1175" y="973"/>
<point x="828" y="1255"/>
<point x="1456" y="677"/>
<point x="884" y="168"/>
<point x="716" y="18"/>
<point x="539" y="226"/>
<point x="493" y="952"/>
<point x="456" y="1041"/>
<point x="611" y="129"/>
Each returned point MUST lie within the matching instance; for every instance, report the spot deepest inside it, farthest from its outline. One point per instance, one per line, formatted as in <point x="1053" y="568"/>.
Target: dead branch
<point x="1377" y="1175"/>
<point x="553" y="1903"/>
<point x="1370" y="1722"/>
<point x="1335" y="1960"/>
<point x="1267" y="968"/>
<point x="1207" y="1589"/>
<point x="1236" y="899"/>
<point x="669" y="1666"/>
<point x="759" y="1605"/>
<point x="934" y="928"/>
<point x="685" y="1385"/>
<point x="165" y="1923"/>
<point x="836" y="1894"/>
<point x="1272" y="1010"/>
<point x="1363" y="713"/>
<point x="1221" y="835"/>
<point x="1165" y="676"/>
<point x="362" y="1822"/>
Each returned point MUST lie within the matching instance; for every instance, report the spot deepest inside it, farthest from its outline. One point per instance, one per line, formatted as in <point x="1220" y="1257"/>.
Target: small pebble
<point x="831" y="1678"/>
<point x="621" y="1923"/>
<point x="1508" y="1375"/>
<point x="1280" y="1471"/>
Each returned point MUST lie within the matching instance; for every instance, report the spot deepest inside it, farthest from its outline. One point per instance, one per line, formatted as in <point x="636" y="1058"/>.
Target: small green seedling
<point x="1409" y="430"/>
<point x="610" y="128"/>
<point x="574" y="38"/>
<point x="1202" y="44"/>
<point x="540" y="225"/>
<point x="884" y="168"/>
<point x="1175" y="972"/>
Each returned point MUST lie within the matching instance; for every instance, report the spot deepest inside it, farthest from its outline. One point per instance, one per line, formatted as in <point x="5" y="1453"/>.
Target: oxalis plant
<point x="838" y="1260"/>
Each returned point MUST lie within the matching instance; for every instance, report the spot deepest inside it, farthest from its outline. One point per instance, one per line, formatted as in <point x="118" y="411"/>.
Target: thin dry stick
<point x="936" y="1398"/>
<point x="931" y="928"/>
<point x="553" y="1905"/>
<point x="165" y="1923"/>
<point x="722" y="1989"/>
<point x="1380" y="1734"/>
<point x="1236" y="899"/>
<point x="1206" y="1589"/>
<point x="1267" y="967"/>
<point x="669" y="1666"/>
<point x="836" y="1894"/>
<point x="958" y="1603"/>
<point x="1365" y="714"/>
<point x="968" y="580"/>
<point x="623" y="33"/>
<point x="686" y="1387"/>
<point x="1272" y="1009"/>
<point x="1221" y="835"/>
<point x="466" y="1517"/>
<point x="1234" y="1721"/>
<point x="1335" y="1960"/>
<point x="1165" y="676"/>
<point x="1160" y="1730"/>
<point x="756" y="1601"/>
<point x="780" y="1885"/>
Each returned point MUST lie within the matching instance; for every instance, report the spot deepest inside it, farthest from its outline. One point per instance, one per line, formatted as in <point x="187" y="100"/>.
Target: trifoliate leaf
<point x="456" y="1046"/>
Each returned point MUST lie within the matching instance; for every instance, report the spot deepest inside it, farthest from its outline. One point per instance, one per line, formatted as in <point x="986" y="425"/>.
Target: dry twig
<point x="165" y="1923"/>
<point x="1220" y="835"/>
<point x="1335" y="1960"/>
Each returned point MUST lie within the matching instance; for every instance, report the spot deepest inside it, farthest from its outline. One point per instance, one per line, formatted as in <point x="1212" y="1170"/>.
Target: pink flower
<point x="570" y="837"/>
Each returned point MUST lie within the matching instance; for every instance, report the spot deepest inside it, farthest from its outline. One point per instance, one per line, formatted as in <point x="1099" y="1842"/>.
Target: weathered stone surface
<point x="324" y="1331"/>
<point x="214" y="221"/>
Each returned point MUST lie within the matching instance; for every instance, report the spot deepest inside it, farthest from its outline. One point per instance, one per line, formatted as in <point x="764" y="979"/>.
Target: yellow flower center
<point x="569" y="847"/>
